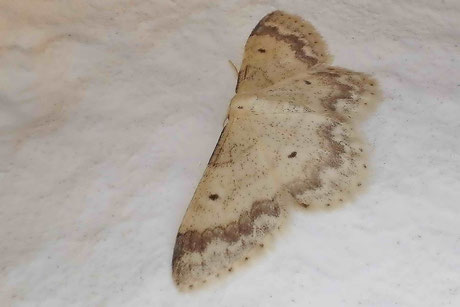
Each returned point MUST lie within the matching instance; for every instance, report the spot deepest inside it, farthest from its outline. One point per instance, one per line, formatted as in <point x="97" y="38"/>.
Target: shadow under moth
<point x="290" y="140"/>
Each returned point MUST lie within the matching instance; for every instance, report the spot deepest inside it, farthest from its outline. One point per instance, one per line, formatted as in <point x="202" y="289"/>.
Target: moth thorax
<point x="242" y="103"/>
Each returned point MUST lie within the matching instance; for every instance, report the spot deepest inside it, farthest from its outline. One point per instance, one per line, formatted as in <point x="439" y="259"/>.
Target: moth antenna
<point x="234" y="67"/>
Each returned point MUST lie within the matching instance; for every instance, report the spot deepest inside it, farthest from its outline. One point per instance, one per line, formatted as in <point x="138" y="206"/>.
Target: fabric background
<point x="109" y="111"/>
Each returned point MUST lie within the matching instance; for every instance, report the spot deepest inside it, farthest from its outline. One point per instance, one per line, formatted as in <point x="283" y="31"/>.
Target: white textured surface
<point x="109" y="113"/>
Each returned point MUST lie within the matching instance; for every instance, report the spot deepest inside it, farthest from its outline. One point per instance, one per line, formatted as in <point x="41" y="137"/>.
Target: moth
<point x="290" y="140"/>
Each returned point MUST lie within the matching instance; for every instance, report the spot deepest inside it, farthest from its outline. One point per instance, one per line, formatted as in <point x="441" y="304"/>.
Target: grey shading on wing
<point x="280" y="46"/>
<point x="290" y="140"/>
